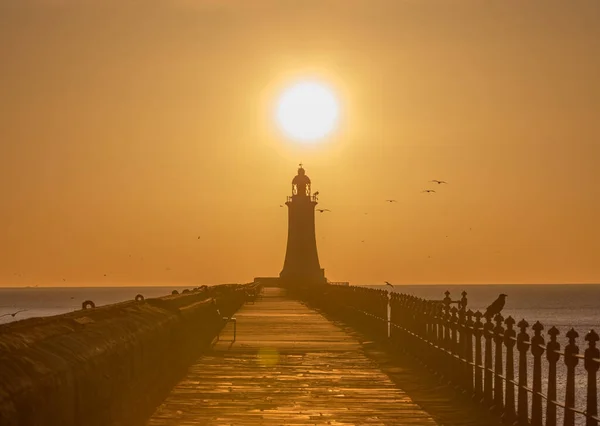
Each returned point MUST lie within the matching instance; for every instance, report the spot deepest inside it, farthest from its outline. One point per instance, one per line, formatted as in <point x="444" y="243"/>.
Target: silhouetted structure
<point x="479" y="355"/>
<point x="301" y="264"/>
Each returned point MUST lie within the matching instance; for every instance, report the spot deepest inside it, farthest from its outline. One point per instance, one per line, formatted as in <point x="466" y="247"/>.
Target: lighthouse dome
<point x="301" y="177"/>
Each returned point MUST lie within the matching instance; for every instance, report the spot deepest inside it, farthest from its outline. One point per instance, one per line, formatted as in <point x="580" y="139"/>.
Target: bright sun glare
<point x="307" y="111"/>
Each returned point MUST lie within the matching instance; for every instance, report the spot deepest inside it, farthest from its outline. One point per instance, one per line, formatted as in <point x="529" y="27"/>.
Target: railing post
<point x="447" y="320"/>
<point x="510" y="414"/>
<point x="592" y="353"/>
<point x="488" y="328"/>
<point x="498" y="383"/>
<point x="440" y="355"/>
<point x="552" y="348"/>
<point x="478" y="331"/>
<point x="463" y="301"/>
<point x="468" y="351"/>
<point x="449" y="367"/>
<point x="455" y="364"/>
<point x="537" y="349"/>
<point x="523" y="348"/>
<point x="571" y="361"/>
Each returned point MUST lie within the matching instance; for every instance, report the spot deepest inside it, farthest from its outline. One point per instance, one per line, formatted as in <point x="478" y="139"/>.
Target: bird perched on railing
<point x="496" y="307"/>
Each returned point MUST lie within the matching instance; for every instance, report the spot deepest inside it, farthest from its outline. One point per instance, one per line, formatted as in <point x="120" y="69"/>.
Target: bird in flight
<point x="316" y="193"/>
<point x="198" y="236"/>
<point x="439" y="182"/>
<point x="391" y="201"/>
<point x="13" y="314"/>
<point x="387" y="283"/>
<point x="281" y="205"/>
<point x="496" y="307"/>
<point x="323" y="210"/>
<point x="429" y="190"/>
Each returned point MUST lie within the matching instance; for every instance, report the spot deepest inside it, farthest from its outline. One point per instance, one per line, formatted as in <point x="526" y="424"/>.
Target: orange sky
<point x="133" y="127"/>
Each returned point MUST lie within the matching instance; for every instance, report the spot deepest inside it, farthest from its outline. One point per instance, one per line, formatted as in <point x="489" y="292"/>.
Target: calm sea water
<point x="43" y="302"/>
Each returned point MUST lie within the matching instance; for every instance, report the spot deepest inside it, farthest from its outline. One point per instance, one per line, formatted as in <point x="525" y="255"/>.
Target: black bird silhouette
<point x="428" y="190"/>
<point x="323" y="210"/>
<point x="316" y="193"/>
<point x="391" y="201"/>
<point x="496" y="307"/>
<point x="389" y="284"/>
<point x="439" y="182"/>
<point x="13" y="314"/>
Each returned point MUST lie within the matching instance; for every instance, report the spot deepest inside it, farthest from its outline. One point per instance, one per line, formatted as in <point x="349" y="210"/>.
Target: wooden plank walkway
<point x="288" y="366"/>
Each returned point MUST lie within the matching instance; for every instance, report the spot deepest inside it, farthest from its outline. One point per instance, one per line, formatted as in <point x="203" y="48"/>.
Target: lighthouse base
<point x="302" y="279"/>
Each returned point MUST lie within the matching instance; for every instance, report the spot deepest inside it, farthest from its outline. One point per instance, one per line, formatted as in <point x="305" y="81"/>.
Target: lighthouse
<point x="301" y="266"/>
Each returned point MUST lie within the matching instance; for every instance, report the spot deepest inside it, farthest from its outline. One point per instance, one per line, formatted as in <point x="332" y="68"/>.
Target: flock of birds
<point x="427" y="191"/>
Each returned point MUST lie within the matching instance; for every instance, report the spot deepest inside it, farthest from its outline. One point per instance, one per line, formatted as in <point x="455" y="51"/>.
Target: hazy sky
<point x="130" y="128"/>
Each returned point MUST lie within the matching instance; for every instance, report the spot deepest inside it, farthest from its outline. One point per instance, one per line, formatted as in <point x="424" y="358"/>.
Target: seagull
<point x="281" y="205"/>
<point x="316" y="193"/>
<point x="428" y="190"/>
<point x="496" y="307"/>
<point x="323" y="210"/>
<point x="389" y="284"/>
<point x="198" y="236"/>
<point x="439" y="182"/>
<point x="13" y="314"/>
<point x="391" y="201"/>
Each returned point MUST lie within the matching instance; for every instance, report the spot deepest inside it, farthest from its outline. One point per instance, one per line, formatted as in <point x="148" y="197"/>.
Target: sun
<point x="308" y="111"/>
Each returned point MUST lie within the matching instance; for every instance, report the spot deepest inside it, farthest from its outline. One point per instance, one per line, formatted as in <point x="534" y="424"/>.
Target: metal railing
<point x="479" y="356"/>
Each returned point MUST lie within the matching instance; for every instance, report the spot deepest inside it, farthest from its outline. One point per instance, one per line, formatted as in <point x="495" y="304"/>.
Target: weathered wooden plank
<point x="288" y="366"/>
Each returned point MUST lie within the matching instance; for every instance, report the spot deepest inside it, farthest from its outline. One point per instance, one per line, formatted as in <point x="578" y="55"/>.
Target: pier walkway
<point x="288" y="366"/>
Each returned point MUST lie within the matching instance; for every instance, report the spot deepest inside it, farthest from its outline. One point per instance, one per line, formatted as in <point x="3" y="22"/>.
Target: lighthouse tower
<point x="301" y="266"/>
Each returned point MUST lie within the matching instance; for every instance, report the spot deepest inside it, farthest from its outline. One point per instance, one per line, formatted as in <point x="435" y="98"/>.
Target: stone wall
<point x="110" y="365"/>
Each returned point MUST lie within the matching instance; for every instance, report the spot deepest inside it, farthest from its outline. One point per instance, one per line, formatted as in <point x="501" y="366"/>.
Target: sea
<point x="565" y="306"/>
<point x="48" y="301"/>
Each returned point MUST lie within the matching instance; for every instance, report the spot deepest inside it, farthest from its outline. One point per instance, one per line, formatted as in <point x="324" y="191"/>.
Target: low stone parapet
<point x="109" y="365"/>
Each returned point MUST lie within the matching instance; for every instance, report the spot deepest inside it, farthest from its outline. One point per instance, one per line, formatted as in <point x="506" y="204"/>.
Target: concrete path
<point x="288" y="366"/>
